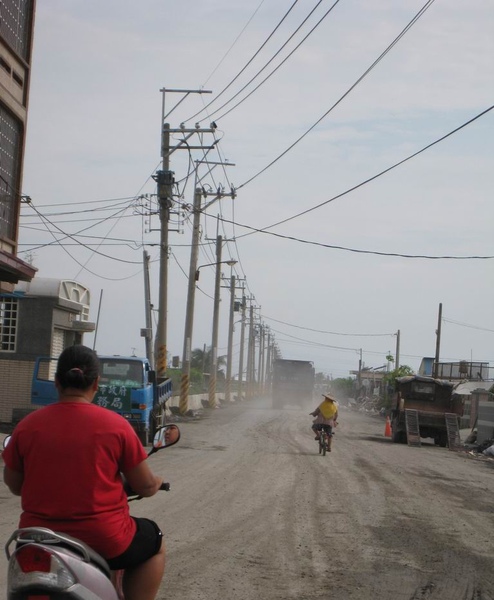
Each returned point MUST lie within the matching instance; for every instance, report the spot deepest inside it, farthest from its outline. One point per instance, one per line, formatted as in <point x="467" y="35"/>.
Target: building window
<point x="15" y="24"/>
<point x="10" y="144"/>
<point x="8" y="323"/>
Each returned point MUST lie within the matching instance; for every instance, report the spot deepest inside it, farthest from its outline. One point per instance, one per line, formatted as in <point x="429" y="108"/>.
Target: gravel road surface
<point x="255" y="513"/>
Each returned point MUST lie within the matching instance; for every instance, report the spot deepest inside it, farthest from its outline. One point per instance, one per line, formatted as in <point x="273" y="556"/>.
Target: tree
<point x="389" y="381"/>
<point x="200" y="360"/>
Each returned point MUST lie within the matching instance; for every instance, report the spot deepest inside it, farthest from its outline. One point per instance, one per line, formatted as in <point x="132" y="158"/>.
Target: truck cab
<point x="432" y="399"/>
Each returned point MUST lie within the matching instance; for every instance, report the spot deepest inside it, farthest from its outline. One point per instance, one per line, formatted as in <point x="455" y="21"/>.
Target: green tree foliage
<point x="401" y="371"/>
<point x="196" y="383"/>
<point x="389" y="381"/>
<point x="200" y="360"/>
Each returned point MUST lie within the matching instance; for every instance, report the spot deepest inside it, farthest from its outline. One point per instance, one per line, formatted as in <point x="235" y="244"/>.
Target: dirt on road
<point x="255" y="513"/>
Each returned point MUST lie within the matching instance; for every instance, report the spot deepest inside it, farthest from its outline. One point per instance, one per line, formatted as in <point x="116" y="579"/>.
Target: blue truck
<point x="127" y="386"/>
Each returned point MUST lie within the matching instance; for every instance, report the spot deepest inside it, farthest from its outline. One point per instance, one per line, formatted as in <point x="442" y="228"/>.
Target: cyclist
<point x="326" y="418"/>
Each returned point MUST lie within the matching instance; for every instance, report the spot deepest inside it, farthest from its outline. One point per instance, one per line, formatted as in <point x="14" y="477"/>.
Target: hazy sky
<point x="330" y="282"/>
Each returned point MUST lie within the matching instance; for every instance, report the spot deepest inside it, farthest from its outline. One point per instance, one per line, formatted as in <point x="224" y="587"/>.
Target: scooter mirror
<point x="166" y="436"/>
<point x="6" y="441"/>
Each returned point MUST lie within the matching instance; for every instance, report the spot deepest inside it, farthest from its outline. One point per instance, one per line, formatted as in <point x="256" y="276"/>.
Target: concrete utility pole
<point x="189" y="315"/>
<point x="165" y="182"/>
<point x="148" y="332"/>
<point x="228" y="392"/>
<point x="268" y="365"/>
<point x="260" y="360"/>
<point x="438" y="340"/>
<point x="242" y="345"/>
<point x="250" y="353"/>
<point x="397" y="361"/>
<point x="213" y="368"/>
<point x="359" y="377"/>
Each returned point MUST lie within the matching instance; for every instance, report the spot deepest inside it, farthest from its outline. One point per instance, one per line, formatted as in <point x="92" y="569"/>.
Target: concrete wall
<point x="15" y="398"/>
<point x="485" y="422"/>
<point x="195" y="402"/>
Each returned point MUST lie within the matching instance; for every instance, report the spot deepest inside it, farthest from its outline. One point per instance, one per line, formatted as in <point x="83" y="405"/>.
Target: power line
<point x="245" y="66"/>
<point x="374" y="64"/>
<point x="73" y="237"/>
<point x="318" y="344"/>
<point x="87" y="202"/>
<point x="466" y="325"/>
<point x="228" y="52"/>
<point x="330" y="332"/>
<point x="361" y="184"/>
<point x="355" y="250"/>
<point x="271" y="60"/>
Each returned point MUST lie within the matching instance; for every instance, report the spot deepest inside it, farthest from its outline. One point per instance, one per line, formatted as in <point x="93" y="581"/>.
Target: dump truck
<point x="292" y="382"/>
<point x="432" y="399"/>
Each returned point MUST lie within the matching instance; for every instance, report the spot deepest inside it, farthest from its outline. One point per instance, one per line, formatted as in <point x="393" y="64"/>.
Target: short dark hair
<point x="77" y="367"/>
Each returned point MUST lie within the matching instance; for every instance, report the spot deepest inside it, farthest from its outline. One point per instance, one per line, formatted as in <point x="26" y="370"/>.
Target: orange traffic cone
<point x="387" y="429"/>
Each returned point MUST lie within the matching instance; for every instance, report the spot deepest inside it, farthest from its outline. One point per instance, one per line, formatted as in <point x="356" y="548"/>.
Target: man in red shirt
<point x="66" y="460"/>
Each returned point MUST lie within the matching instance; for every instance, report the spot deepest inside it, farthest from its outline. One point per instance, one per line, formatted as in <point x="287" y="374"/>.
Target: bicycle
<point x="324" y="440"/>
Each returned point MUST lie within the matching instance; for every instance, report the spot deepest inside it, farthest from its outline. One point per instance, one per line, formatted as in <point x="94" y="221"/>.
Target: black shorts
<point x="319" y="427"/>
<point x="146" y="543"/>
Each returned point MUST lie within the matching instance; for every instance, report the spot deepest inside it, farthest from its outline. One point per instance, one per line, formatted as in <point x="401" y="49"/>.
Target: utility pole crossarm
<point x="186" y="94"/>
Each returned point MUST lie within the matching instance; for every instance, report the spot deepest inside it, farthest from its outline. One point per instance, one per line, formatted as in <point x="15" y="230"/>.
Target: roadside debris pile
<point x="486" y="448"/>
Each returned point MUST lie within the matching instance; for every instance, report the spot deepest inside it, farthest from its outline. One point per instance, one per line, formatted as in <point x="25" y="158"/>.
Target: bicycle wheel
<point x="324" y="444"/>
<point x="321" y="444"/>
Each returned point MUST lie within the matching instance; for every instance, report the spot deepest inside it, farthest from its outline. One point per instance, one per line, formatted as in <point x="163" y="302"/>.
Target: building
<point x="462" y="370"/>
<point x="16" y="41"/>
<point x="41" y="318"/>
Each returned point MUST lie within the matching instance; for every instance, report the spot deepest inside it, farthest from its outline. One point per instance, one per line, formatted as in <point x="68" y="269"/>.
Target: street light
<point x="230" y="263"/>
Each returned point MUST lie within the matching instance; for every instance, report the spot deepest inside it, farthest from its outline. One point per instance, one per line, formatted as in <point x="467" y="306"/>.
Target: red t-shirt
<point x="71" y="455"/>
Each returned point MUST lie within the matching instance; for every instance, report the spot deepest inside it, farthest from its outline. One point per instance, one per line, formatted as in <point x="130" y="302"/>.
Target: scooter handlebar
<point x="131" y="495"/>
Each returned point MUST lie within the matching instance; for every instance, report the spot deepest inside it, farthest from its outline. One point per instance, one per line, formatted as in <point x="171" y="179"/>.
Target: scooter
<point x="48" y="565"/>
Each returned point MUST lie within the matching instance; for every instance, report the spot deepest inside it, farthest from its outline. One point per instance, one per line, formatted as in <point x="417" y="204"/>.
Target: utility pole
<point x="203" y="367"/>
<point x="165" y="182"/>
<point x="250" y="353"/>
<point x="438" y="340"/>
<point x="261" y="360"/>
<point x="228" y="391"/>
<point x="397" y="361"/>
<point x="189" y="315"/>
<point x="148" y="332"/>
<point x="216" y="311"/>
<point x="359" y="378"/>
<point x="242" y="345"/>
<point x="268" y="365"/>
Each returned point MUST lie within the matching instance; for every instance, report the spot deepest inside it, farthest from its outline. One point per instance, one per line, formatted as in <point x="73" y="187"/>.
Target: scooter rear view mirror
<point x="166" y="436"/>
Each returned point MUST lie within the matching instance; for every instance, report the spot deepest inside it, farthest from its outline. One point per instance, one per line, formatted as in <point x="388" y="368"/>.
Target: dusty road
<point x="256" y="514"/>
